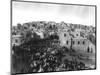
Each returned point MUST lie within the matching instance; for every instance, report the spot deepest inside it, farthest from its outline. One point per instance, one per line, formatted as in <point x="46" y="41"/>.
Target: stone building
<point x="16" y="40"/>
<point x="83" y="44"/>
<point x="65" y="38"/>
<point x="75" y="41"/>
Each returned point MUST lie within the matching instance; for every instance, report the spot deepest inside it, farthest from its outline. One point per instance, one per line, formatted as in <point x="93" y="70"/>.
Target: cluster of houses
<point x="70" y="35"/>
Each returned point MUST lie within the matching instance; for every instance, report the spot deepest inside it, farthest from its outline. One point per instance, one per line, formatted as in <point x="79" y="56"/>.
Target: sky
<point x="23" y="12"/>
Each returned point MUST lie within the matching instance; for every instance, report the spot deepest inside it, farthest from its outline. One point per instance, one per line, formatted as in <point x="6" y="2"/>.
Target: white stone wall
<point x="76" y="46"/>
<point x="64" y="39"/>
<point x="80" y="46"/>
<point x="16" y="43"/>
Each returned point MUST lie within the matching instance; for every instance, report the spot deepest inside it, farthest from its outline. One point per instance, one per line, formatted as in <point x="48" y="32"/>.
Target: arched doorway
<point x="88" y="49"/>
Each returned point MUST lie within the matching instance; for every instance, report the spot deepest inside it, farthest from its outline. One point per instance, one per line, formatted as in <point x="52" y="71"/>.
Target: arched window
<point x="83" y="42"/>
<point x="64" y="35"/>
<point x="88" y="49"/>
<point x="91" y="50"/>
<point x="78" y="42"/>
<point x="67" y="42"/>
